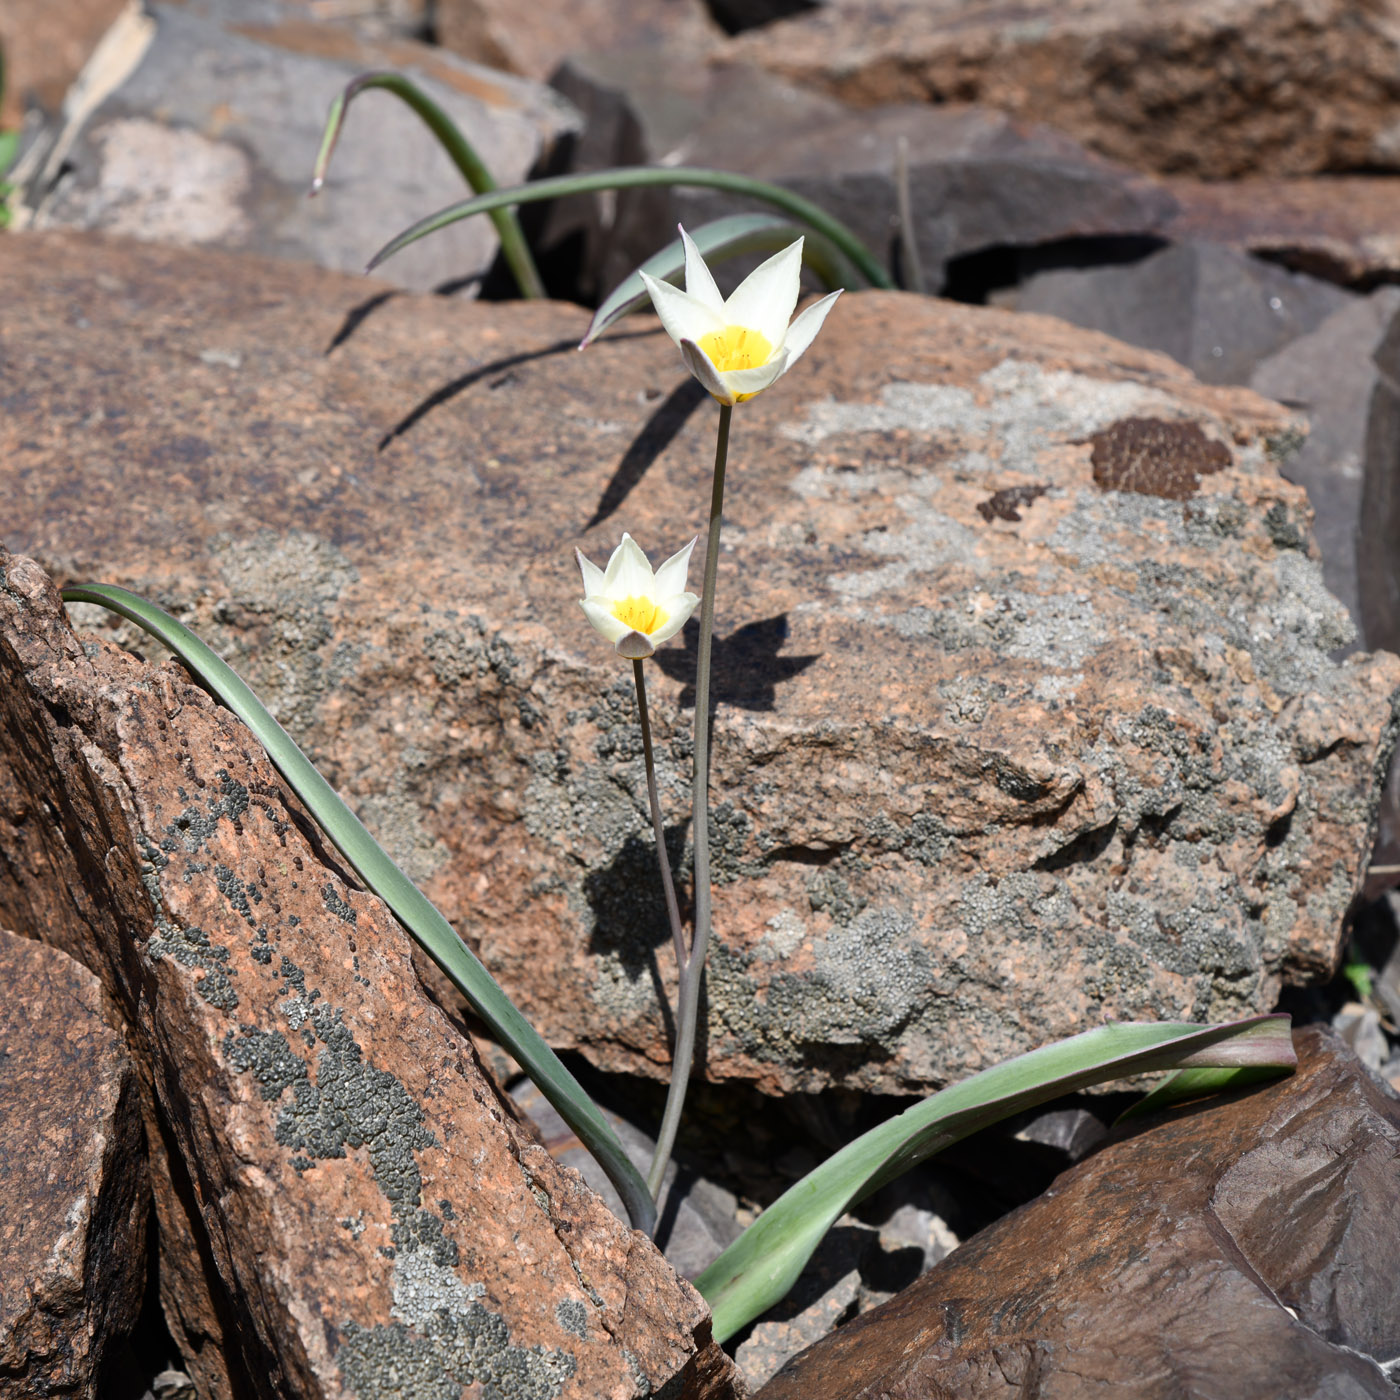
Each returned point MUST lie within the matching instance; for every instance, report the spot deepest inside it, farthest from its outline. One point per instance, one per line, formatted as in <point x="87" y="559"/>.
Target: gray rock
<point x="212" y="137"/>
<point x="1330" y="375"/>
<point x="72" y="1177"/>
<point x="1215" y="310"/>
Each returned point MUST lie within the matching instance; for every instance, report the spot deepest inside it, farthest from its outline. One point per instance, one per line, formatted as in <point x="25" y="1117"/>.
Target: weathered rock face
<point x="344" y="1207"/>
<point x="72" y="1177"/>
<point x="1212" y="308"/>
<point x="1025" y="716"/>
<point x="1243" y="1248"/>
<point x="45" y="47"/>
<point x="212" y="138"/>
<point x="1311" y="87"/>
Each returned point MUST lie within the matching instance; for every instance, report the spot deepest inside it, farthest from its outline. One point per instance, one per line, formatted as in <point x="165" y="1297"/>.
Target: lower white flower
<point x="633" y="607"/>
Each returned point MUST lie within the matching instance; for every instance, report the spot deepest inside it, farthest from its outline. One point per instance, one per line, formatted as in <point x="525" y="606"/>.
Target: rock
<point x="1341" y="229"/>
<point x="1214" y="309"/>
<point x="1239" y="1248"/>
<point x="1330" y="375"/>
<point x="698" y="1217"/>
<point x="979" y="182"/>
<point x="212" y="138"/>
<point x="534" y="40"/>
<point x="1312" y="84"/>
<point x="72" y="1176"/>
<point x="45" y="46"/>
<point x="344" y="1206"/>
<point x="977" y="784"/>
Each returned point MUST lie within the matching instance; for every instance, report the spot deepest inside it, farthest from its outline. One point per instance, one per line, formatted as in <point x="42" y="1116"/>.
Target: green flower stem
<point x="662" y="859"/>
<point x="514" y="248"/>
<point x="688" y="1013"/>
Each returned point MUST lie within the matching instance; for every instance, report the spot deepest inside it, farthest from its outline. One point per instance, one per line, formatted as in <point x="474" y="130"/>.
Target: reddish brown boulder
<point x="344" y="1206"/>
<point x="980" y="778"/>
<point x="1238" y="1250"/>
<point x="1249" y="87"/>
<point x="72" y="1177"/>
<point x="45" y="46"/>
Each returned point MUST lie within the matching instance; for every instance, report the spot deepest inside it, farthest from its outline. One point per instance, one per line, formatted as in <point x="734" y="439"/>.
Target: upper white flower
<point x="632" y="607"/>
<point x="737" y="348"/>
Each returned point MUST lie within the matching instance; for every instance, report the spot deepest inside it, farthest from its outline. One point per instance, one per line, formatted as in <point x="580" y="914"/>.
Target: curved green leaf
<point x="764" y="1262"/>
<point x="729" y="237"/>
<point x="410" y="906"/>
<point x="1188" y="1084"/>
<point x="633" y="176"/>
<point x="514" y="248"/>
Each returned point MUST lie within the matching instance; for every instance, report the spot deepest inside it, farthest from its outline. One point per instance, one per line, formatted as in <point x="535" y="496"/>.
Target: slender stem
<point x="688" y="1013"/>
<point x="662" y="859"/>
<point x="908" y="235"/>
<point x="463" y="155"/>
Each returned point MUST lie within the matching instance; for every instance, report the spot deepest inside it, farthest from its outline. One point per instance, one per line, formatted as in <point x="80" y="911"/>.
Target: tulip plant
<point x="736" y="347"/>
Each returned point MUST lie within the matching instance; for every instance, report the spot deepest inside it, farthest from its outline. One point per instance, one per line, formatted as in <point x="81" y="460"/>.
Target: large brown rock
<point x="344" y="1206"/>
<point x="72" y="1177"/>
<point x="1248" y="87"/>
<point x="1024" y="711"/>
<point x="1237" y="1250"/>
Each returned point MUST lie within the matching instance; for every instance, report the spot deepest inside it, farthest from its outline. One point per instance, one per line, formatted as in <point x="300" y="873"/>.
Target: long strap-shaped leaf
<point x="632" y="176"/>
<point x="764" y="1262"/>
<point x="729" y="237"/>
<point x="461" y="152"/>
<point x="411" y="907"/>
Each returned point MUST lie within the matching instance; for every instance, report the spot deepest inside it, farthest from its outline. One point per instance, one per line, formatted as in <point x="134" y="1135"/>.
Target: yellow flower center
<point x="640" y="614"/>
<point x="736" y="347"/>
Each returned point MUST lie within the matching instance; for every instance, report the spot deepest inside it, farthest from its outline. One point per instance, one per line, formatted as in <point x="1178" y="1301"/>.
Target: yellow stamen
<point x="736" y="347"/>
<point x="640" y="614"/>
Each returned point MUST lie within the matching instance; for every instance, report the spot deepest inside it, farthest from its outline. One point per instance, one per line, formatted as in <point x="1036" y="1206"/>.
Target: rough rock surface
<point x="1240" y="1250"/>
<point x="344" y="1206"/>
<point x="1331" y="375"/>
<point x="1024" y="711"/>
<point x="72" y="1177"/>
<point x="1214" y="309"/>
<point x="212" y="138"/>
<point x="1312" y="84"/>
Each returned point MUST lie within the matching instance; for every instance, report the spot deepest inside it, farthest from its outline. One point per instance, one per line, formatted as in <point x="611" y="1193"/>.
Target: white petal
<point x="601" y="616"/>
<point x="593" y="576"/>
<point x="763" y="301"/>
<point x="633" y="577"/>
<point x="703" y="368"/>
<point x="803" y="331"/>
<point x="684" y="316"/>
<point x="678" y="609"/>
<point x="670" y="577"/>
<point x="698" y="281"/>
<point x="635" y="645"/>
<point x="755" y="381"/>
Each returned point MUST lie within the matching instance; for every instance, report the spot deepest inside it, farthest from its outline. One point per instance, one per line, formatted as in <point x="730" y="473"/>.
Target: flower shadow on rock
<point x="746" y="669"/>
<point x="629" y="911"/>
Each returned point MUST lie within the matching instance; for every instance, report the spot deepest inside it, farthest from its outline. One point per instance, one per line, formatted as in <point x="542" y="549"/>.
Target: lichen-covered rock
<point x="1311" y="84"/>
<point x="72" y="1178"/>
<point x="1025" y="715"/>
<point x="1237" y="1249"/>
<point x="345" y="1209"/>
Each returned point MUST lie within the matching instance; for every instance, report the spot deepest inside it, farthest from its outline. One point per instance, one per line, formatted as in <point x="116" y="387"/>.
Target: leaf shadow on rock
<point x="629" y="908"/>
<point x="745" y="668"/>
<point x="357" y="316"/>
<point x="657" y="433"/>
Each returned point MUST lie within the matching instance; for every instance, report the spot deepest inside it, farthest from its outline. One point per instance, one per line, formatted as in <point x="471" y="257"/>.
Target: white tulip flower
<point x="737" y="348"/>
<point x="632" y="607"/>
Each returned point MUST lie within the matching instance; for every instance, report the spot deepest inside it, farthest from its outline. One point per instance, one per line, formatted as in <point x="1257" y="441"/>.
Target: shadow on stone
<point x="656" y="435"/>
<point x="356" y="317"/>
<point x="629" y="909"/>
<point x="746" y="669"/>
